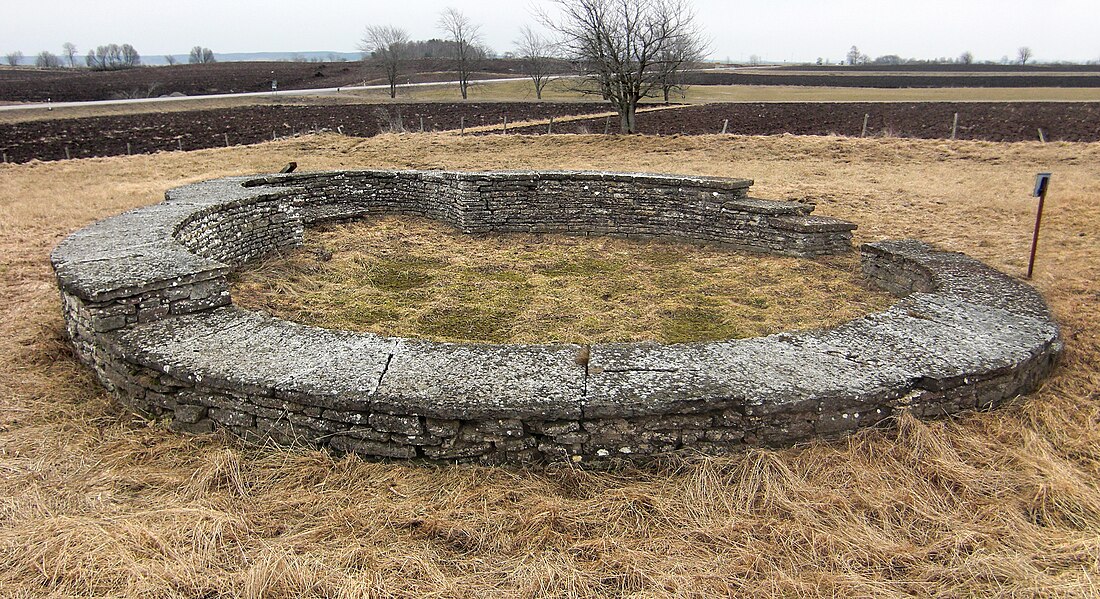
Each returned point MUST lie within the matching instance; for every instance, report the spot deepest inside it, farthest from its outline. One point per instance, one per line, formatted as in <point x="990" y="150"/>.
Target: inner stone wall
<point x="147" y="306"/>
<point x="579" y="203"/>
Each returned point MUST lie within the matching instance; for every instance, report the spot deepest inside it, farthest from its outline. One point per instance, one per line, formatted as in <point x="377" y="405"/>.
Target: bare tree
<point x="966" y="57"/>
<point x="687" y="52"/>
<point x="853" y="55"/>
<point x="112" y="56"/>
<point x="1023" y="54"/>
<point x="14" y="58"/>
<point x="70" y="53"/>
<point x="536" y="54"/>
<point x="626" y="48"/>
<point x="47" y="60"/>
<point x="129" y="56"/>
<point x="170" y="59"/>
<point x="390" y="47"/>
<point x="200" y="55"/>
<point x="467" y="50"/>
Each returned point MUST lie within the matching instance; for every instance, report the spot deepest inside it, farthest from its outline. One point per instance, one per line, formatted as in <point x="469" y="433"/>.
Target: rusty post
<point x="1042" y="182"/>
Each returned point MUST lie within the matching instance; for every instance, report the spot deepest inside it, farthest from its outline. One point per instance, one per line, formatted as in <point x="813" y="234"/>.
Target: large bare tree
<point x="70" y="53"/>
<point x="536" y="54"/>
<point x="390" y="47"/>
<point x="1023" y="54"/>
<point x="626" y="48"/>
<point x="467" y="52"/>
<point x="13" y="58"/>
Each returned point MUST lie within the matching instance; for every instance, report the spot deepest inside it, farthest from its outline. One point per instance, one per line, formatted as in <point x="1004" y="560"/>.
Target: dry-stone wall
<point x="147" y="305"/>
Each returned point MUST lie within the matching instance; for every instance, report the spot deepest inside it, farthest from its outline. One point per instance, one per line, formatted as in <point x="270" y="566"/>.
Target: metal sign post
<point x="1042" y="183"/>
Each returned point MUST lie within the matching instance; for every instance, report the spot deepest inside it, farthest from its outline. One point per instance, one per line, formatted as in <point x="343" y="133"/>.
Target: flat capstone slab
<point x="147" y="306"/>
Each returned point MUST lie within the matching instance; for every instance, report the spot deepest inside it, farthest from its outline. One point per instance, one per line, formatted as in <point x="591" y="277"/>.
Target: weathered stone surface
<point x="144" y="298"/>
<point x="480" y="382"/>
<point x="261" y="355"/>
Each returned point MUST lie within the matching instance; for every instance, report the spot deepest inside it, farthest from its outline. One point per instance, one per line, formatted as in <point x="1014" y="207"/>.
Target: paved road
<point x="280" y="93"/>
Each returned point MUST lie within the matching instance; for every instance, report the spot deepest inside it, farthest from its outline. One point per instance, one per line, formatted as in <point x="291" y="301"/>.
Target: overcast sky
<point x="777" y="30"/>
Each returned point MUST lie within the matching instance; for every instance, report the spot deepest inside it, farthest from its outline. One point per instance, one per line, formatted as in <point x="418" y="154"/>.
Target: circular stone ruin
<point x="147" y="306"/>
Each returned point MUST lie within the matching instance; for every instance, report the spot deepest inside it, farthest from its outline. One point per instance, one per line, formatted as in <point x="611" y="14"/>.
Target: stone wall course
<point x="146" y="303"/>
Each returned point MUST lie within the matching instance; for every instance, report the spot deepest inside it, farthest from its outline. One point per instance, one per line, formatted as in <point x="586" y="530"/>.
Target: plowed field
<point x="1001" y="121"/>
<point x="154" y="132"/>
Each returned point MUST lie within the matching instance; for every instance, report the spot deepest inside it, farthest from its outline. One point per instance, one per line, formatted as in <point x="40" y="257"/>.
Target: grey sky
<point x="793" y="30"/>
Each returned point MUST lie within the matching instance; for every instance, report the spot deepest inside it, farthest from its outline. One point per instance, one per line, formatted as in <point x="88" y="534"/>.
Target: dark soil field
<point x="1001" y="121"/>
<point x="70" y="85"/>
<point x="947" y="68"/>
<point x="154" y="132"/>
<point x="891" y="81"/>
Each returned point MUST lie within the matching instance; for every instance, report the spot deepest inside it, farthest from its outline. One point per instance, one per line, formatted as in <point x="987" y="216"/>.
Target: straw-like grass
<point x="96" y="502"/>
<point x="418" y="278"/>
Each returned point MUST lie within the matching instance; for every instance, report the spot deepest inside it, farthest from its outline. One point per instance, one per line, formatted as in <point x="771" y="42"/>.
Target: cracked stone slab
<point x="961" y="276"/>
<point x="247" y="352"/>
<point x="941" y="340"/>
<point x="472" y="381"/>
<point x="220" y="191"/>
<point x="762" y="374"/>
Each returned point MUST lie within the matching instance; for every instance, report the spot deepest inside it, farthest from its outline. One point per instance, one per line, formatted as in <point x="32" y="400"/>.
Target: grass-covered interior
<point x="419" y="278"/>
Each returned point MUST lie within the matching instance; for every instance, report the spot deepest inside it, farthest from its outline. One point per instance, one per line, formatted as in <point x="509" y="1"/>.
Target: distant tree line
<point x="112" y="57"/>
<point x="855" y="57"/>
<point x="621" y="50"/>
<point x="201" y="55"/>
<point x="391" y="47"/>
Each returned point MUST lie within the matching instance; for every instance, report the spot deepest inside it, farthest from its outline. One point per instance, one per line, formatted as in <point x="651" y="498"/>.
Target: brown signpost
<point x="1042" y="182"/>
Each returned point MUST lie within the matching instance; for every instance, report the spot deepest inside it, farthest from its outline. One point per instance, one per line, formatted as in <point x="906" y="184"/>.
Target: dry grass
<point x="419" y="278"/>
<point x="94" y="502"/>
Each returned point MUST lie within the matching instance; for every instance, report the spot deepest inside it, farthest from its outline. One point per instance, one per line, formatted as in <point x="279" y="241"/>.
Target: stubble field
<point x="98" y="502"/>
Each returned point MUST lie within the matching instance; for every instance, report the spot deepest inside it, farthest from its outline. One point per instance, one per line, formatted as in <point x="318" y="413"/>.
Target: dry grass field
<point x="97" y="502"/>
<point x="418" y="278"/>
